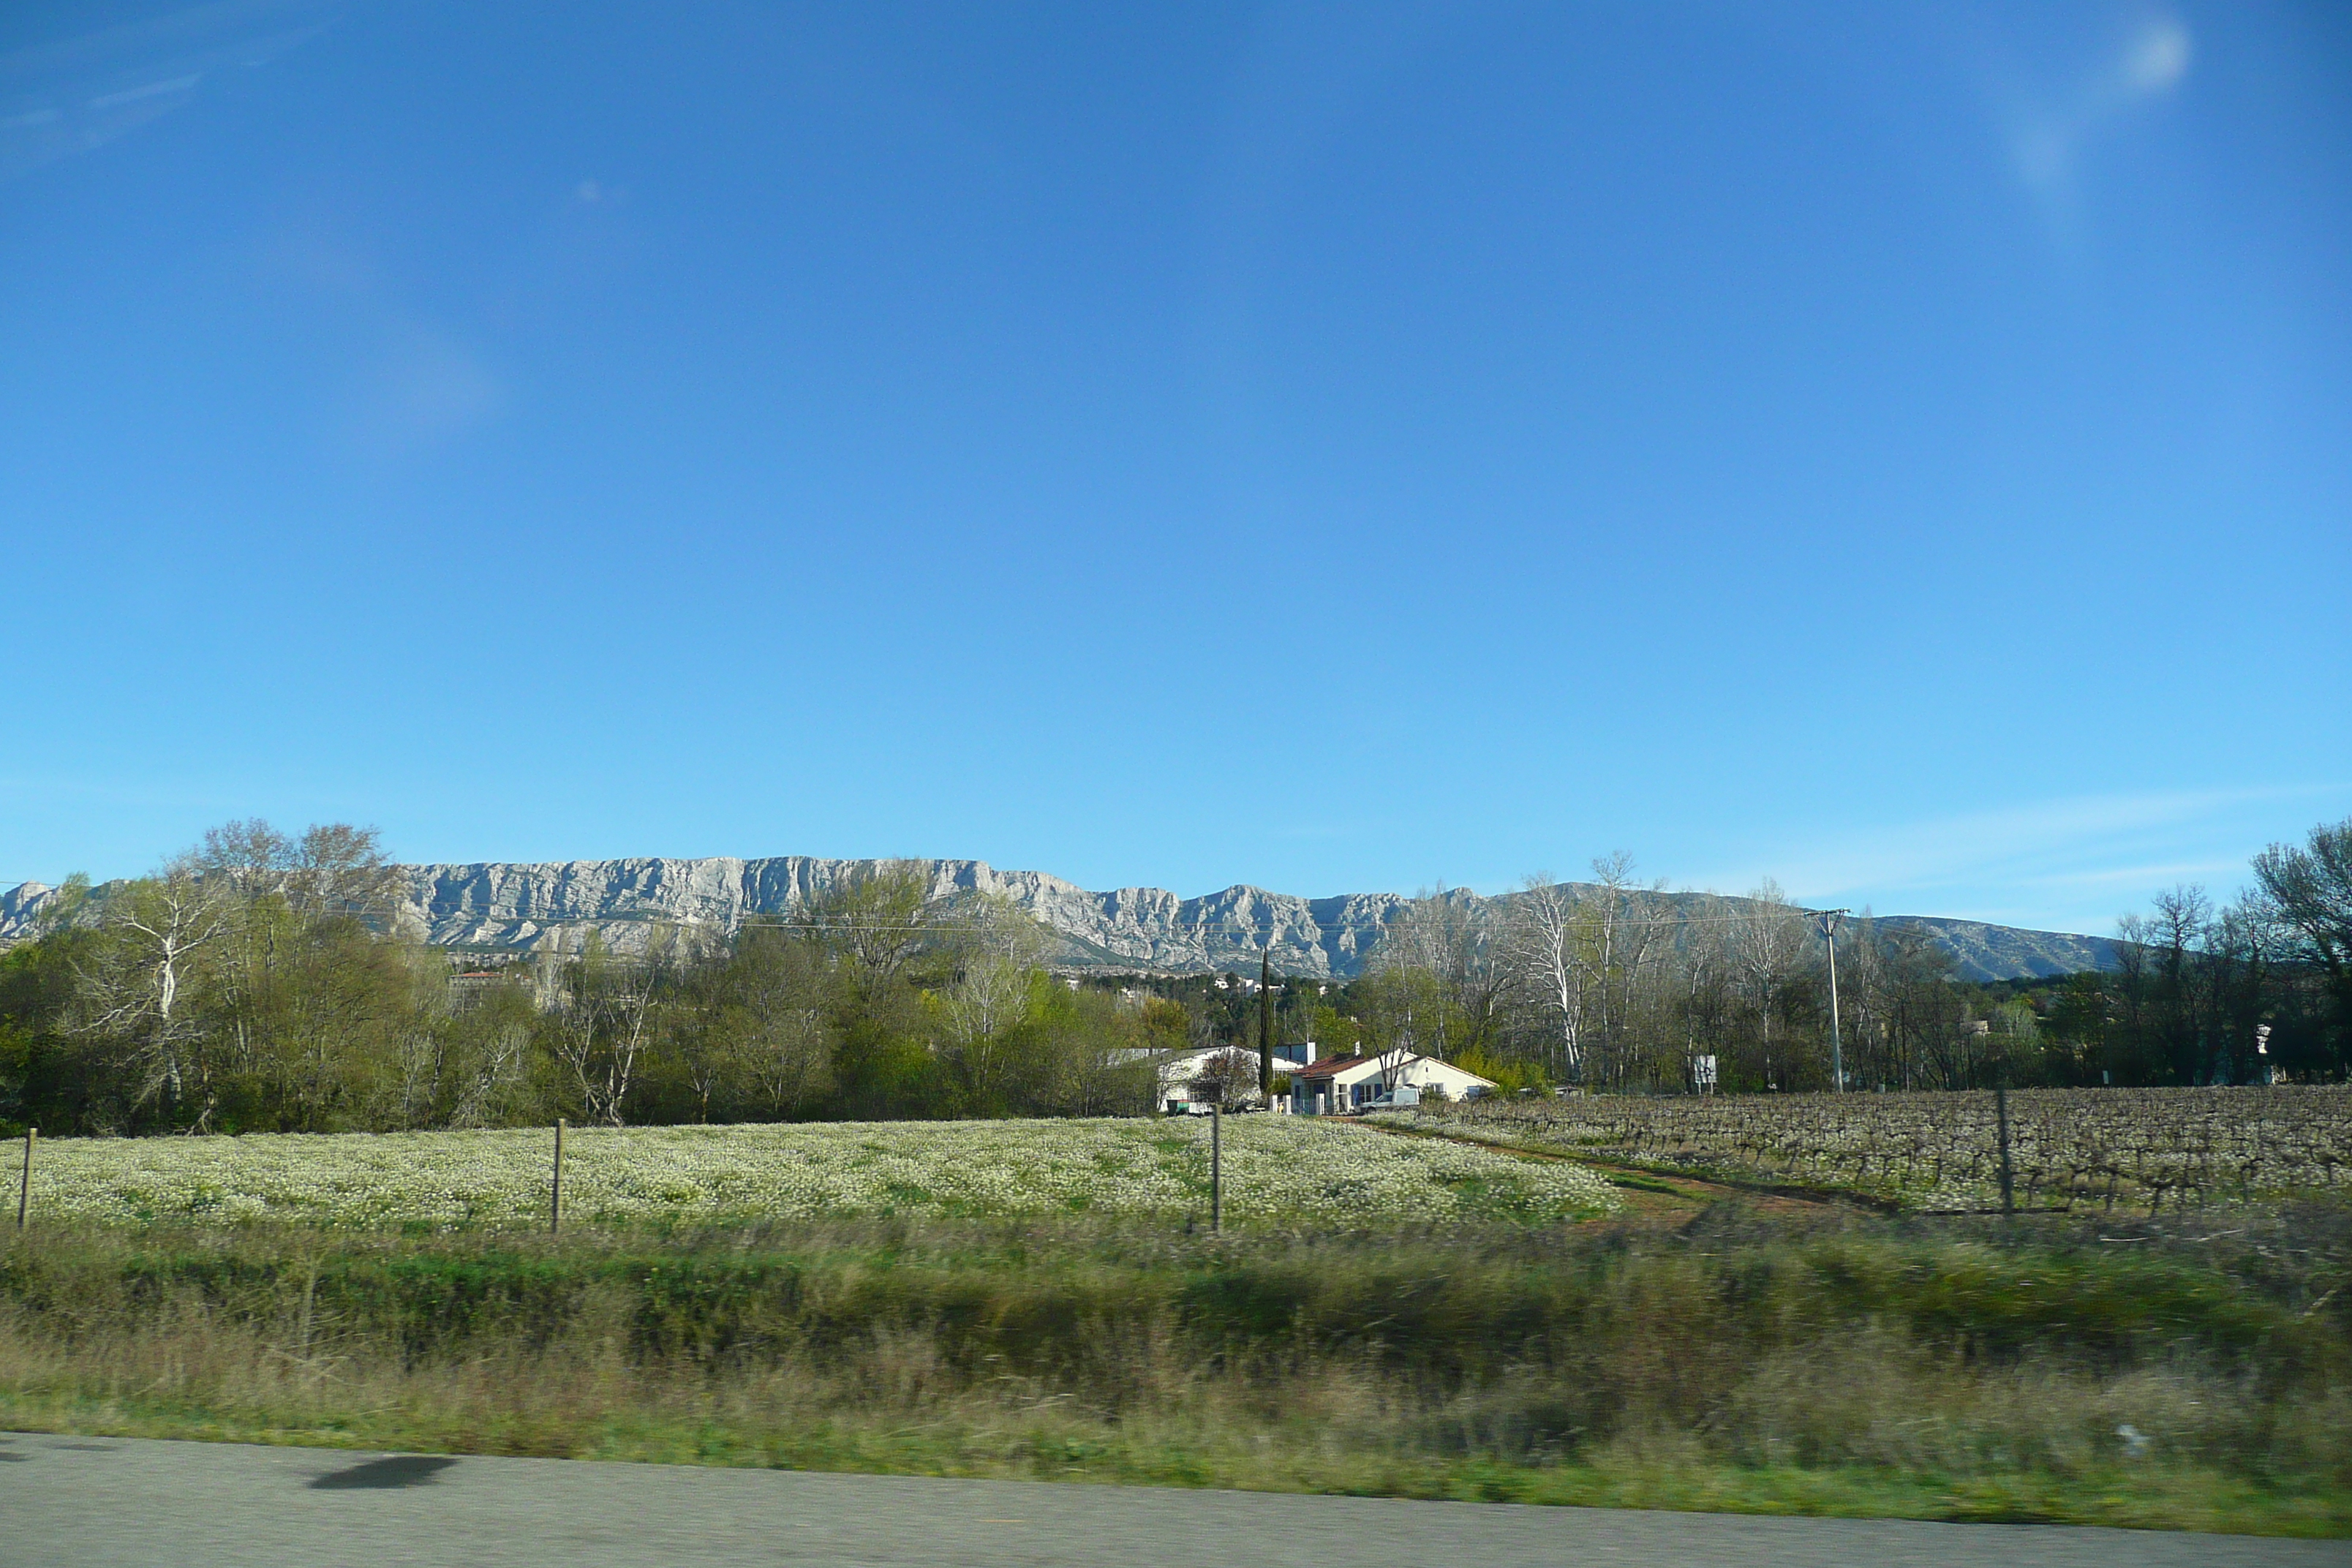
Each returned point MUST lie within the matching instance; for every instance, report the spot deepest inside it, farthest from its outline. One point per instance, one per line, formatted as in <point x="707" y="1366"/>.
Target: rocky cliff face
<point x="22" y="907"/>
<point x="530" y="906"/>
<point x="509" y="906"/>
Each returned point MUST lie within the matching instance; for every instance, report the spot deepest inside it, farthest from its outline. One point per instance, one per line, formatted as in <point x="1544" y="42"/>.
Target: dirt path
<point x="1651" y="1197"/>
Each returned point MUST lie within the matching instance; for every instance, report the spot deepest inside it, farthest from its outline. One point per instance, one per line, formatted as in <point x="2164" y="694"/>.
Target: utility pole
<point x="1830" y="919"/>
<point x="1266" y="1024"/>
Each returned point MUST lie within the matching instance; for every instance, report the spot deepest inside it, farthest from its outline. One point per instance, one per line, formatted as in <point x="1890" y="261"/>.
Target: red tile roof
<point x="1329" y="1065"/>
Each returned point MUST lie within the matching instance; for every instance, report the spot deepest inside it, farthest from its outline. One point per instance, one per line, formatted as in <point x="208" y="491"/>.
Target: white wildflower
<point x="1276" y="1169"/>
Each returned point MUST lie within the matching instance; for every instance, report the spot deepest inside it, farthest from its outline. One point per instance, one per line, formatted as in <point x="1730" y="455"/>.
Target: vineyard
<point x="2145" y="1151"/>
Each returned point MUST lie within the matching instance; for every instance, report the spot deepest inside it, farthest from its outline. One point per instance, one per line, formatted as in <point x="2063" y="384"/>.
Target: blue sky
<point x="1903" y="450"/>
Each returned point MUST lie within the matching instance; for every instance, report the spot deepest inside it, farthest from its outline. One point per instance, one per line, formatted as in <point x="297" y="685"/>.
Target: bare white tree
<point x="606" y="1020"/>
<point x="1459" y="941"/>
<point x="1705" y="971"/>
<point x="133" y="992"/>
<point x="991" y="994"/>
<point x="1543" y="952"/>
<point x="1624" y="929"/>
<point x="1769" y="944"/>
<point x="332" y="869"/>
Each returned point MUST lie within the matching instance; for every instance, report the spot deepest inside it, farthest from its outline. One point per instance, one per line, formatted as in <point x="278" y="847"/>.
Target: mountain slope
<point x="501" y="905"/>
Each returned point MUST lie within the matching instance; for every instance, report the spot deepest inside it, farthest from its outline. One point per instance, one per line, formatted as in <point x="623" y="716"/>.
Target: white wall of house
<point x="1353" y="1085"/>
<point x="1429" y="1074"/>
<point x="1177" y="1072"/>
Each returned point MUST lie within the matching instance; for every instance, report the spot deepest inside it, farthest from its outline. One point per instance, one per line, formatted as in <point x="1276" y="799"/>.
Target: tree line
<point x="1617" y="985"/>
<point x="260" y="982"/>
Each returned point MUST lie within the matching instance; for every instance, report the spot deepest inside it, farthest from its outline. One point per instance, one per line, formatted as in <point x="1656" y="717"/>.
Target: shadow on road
<point x="401" y="1470"/>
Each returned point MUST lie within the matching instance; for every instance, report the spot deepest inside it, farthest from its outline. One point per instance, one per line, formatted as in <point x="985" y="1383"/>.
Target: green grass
<point x="1642" y="1184"/>
<point x="2152" y="1496"/>
<point x="1838" y="1364"/>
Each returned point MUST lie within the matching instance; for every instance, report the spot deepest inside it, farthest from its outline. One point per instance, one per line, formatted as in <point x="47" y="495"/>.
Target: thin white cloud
<point x="430" y="387"/>
<point x="2157" y="58"/>
<point x="2088" y="843"/>
<point x="72" y="95"/>
<point x="153" y="89"/>
<point x="2140" y="878"/>
<point x="408" y="380"/>
<point x="2051" y="129"/>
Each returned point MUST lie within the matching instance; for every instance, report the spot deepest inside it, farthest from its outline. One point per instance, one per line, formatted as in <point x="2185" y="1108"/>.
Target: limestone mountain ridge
<point x="500" y="906"/>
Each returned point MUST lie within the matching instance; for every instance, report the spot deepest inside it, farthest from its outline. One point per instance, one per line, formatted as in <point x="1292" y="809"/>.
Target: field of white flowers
<point x="1276" y="1169"/>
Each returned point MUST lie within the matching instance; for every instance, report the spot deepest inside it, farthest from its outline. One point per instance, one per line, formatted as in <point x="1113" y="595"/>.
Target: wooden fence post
<point x="2008" y="1184"/>
<point x="1216" y="1169"/>
<point x="555" y="1190"/>
<point x="25" y="1192"/>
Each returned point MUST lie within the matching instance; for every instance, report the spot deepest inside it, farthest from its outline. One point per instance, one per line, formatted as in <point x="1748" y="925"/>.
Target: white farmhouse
<point x="1341" y="1084"/>
<point x="1178" y="1070"/>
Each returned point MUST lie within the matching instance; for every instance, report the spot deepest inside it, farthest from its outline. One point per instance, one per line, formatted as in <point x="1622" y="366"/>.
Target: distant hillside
<point x="1983" y="951"/>
<point x="496" y="905"/>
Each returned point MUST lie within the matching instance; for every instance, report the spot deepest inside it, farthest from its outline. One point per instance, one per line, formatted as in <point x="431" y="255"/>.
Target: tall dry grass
<point x="1736" y="1353"/>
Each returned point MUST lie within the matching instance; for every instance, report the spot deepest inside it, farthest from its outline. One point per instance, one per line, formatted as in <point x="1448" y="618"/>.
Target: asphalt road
<point x="100" y="1502"/>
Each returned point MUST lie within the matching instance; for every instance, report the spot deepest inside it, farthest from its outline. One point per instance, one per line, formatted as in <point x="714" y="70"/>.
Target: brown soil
<point x="1651" y="1198"/>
